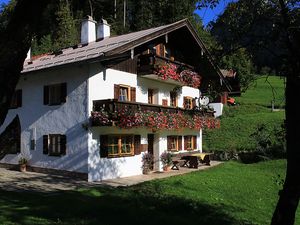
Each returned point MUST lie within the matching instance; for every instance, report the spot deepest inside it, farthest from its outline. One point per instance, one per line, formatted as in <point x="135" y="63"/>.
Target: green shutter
<point x="137" y="144"/>
<point x="103" y="146"/>
<point x="63" y="144"/>
<point x="45" y="144"/>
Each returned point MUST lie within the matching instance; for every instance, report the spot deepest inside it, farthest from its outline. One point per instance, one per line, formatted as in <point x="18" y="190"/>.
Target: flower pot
<point x="23" y="167"/>
<point x="146" y="171"/>
<point x="167" y="168"/>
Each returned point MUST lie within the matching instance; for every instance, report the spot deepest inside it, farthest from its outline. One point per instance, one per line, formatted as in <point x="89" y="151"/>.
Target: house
<point x="94" y="108"/>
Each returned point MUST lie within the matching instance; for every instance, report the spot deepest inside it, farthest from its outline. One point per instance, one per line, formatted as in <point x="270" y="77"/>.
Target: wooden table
<point x="203" y="157"/>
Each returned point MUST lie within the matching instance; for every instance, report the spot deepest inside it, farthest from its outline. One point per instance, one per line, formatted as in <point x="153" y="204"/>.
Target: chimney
<point x="103" y="30"/>
<point x="88" y="30"/>
<point x="28" y="57"/>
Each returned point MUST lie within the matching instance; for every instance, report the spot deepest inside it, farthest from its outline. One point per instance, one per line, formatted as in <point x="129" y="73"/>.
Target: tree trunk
<point x="289" y="197"/>
<point x="15" y="41"/>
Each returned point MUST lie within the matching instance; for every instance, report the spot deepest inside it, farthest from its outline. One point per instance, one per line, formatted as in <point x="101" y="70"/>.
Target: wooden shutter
<point x="45" y="144"/>
<point x="169" y="142"/>
<point x="185" y="142"/>
<point x="132" y="94"/>
<point x="46" y="95"/>
<point x="179" y="143"/>
<point x="137" y="144"/>
<point x="116" y="91"/>
<point x="63" y="144"/>
<point x="103" y="146"/>
<point x="63" y="95"/>
<point x="195" y="142"/>
<point x="193" y="103"/>
<point x="185" y="99"/>
<point x="19" y="98"/>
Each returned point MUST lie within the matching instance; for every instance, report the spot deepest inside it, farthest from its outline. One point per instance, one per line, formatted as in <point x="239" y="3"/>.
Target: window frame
<point x="127" y="88"/>
<point x="189" y="100"/>
<point x="51" y="97"/>
<point x="176" y="141"/>
<point x="59" y="144"/>
<point x="119" y="145"/>
<point x="190" y="140"/>
<point x="173" y="99"/>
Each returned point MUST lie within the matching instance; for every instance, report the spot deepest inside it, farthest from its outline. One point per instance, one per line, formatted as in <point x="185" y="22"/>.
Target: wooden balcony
<point x="148" y="66"/>
<point x="112" y="106"/>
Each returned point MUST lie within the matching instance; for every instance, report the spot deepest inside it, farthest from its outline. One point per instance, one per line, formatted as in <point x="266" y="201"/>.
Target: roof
<point x="97" y="49"/>
<point x="111" y="46"/>
<point x="228" y="73"/>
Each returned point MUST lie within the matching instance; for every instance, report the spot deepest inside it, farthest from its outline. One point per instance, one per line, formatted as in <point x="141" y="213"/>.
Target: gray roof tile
<point x="90" y="51"/>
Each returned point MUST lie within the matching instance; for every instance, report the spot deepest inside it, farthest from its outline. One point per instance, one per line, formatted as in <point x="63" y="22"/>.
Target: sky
<point x="3" y="1"/>
<point x="208" y="14"/>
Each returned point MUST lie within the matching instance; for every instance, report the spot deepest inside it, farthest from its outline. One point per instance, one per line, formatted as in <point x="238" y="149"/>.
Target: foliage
<point x="147" y="160"/>
<point x="257" y="26"/>
<point x="24" y="157"/>
<point x="270" y="142"/>
<point x="66" y="33"/>
<point x="240" y="121"/>
<point x="166" y="158"/>
<point x="240" y="62"/>
<point x="171" y="71"/>
<point x="127" y="119"/>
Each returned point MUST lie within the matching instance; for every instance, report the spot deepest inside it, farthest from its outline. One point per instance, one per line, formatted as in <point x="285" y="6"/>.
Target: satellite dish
<point x="204" y="100"/>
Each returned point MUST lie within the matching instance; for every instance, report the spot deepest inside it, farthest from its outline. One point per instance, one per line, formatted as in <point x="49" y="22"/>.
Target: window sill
<point x="120" y="156"/>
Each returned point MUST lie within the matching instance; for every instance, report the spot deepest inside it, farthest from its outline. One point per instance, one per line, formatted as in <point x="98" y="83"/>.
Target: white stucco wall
<point x="35" y="117"/>
<point x="101" y="86"/>
<point x="218" y="108"/>
<point x="110" y="168"/>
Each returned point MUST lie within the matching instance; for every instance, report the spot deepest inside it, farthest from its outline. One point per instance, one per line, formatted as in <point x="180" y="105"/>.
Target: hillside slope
<point x="253" y="109"/>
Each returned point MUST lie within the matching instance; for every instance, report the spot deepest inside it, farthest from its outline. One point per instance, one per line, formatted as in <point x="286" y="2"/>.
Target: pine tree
<point x="66" y="33"/>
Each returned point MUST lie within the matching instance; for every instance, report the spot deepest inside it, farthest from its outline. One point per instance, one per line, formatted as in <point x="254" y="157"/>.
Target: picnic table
<point x="191" y="160"/>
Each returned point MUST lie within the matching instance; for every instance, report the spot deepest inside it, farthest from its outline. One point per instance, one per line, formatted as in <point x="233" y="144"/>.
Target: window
<point x="164" y="102"/>
<point x="16" y="100"/>
<point x="119" y="145"/>
<point x="55" y="94"/>
<point x="174" y="143"/>
<point x="173" y="99"/>
<point x="150" y="96"/>
<point x="188" y="102"/>
<point x="124" y="93"/>
<point x="190" y="142"/>
<point x="54" y="144"/>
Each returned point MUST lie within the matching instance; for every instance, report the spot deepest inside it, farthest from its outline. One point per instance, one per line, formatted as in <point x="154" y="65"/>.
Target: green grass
<point x="230" y="194"/>
<point x="240" y="121"/>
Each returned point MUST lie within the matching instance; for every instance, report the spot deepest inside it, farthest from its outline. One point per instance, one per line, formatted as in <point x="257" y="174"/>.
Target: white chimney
<point x="88" y="30"/>
<point x="103" y="30"/>
<point x="28" y="57"/>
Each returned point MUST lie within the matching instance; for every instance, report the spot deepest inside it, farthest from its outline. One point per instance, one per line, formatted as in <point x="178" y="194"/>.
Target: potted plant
<point x="147" y="160"/>
<point x="23" y="159"/>
<point x="166" y="159"/>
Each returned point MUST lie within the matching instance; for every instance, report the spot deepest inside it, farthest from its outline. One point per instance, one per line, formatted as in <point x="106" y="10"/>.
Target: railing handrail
<point x="138" y="104"/>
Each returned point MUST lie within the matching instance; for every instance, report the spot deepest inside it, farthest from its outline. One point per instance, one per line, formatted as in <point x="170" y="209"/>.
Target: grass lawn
<point x="240" y="121"/>
<point x="230" y="194"/>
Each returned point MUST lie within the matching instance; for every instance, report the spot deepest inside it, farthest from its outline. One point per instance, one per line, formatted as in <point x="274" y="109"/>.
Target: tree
<point x="15" y="39"/>
<point x="66" y="34"/>
<point x="272" y="26"/>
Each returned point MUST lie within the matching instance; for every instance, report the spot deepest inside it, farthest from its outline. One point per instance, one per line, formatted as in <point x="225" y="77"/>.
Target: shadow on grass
<point x="108" y="206"/>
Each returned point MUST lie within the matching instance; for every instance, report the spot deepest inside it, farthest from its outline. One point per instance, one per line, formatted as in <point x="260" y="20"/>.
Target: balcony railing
<point x="112" y="112"/>
<point x="169" y="71"/>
